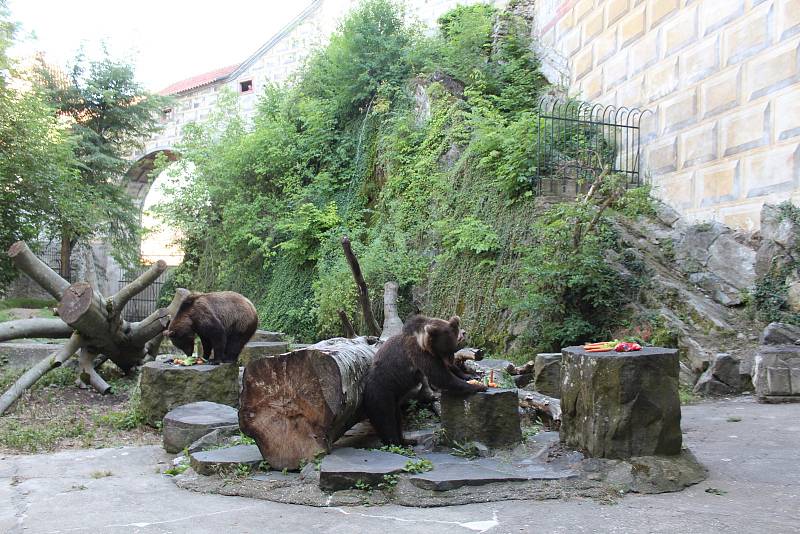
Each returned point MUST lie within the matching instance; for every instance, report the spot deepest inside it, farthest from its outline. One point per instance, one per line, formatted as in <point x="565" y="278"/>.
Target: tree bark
<point x="27" y="262"/>
<point x="298" y="404"/>
<point x="392" y="324"/>
<point x="27" y="328"/>
<point x="347" y="326"/>
<point x="363" y="294"/>
<point x="37" y="371"/>
<point x="66" y="254"/>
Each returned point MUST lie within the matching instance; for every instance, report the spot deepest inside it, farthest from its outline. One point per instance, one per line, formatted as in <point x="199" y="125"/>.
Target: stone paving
<point x="754" y="486"/>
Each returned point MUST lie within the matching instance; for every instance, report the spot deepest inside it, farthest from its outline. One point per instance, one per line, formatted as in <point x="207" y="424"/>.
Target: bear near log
<point x="224" y="321"/>
<point x="424" y="350"/>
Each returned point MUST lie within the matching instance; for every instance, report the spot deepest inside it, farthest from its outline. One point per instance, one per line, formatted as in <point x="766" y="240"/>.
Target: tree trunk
<point x="297" y="405"/>
<point x="27" y="262"/>
<point x="66" y="253"/>
<point x="392" y="325"/>
<point x="88" y="375"/>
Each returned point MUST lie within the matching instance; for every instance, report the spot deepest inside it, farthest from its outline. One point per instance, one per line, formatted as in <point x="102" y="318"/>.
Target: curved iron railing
<point x="576" y="140"/>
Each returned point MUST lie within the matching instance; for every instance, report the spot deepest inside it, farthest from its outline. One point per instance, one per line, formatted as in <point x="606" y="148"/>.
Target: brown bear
<point x="423" y="353"/>
<point x="223" y="320"/>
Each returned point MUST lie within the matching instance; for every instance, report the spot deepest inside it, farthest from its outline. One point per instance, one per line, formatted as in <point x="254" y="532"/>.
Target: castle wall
<point x="722" y="78"/>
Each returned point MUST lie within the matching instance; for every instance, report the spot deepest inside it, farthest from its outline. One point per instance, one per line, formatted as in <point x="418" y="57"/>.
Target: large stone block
<point x="681" y="31"/>
<point x="660" y="9"/>
<point x="186" y="424"/>
<point x="720" y="93"/>
<point x="772" y="70"/>
<point x="264" y="335"/>
<point x="747" y="36"/>
<point x="619" y="405"/>
<point x="547" y="374"/>
<point x="165" y="386"/>
<point x="776" y="375"/>
<point x="747" y="128"/>
<point x="491" y="417"/>
<point x="787" y="114"/>
<point x="23" y="355"/>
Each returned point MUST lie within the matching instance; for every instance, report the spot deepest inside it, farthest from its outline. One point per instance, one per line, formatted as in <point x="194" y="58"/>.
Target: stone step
<point x="22" y="355"/>
<point x="186" y="424"/>
<point x="343" y="468"/>
<point x="225" y="460"/>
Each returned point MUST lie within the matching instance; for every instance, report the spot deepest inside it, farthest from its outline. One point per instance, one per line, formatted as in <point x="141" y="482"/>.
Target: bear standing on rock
<point x="223" y="320"/>
<point x="423" y="353"/>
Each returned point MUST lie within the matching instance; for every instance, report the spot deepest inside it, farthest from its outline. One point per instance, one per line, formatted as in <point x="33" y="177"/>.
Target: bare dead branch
<point x="363" y="293"/>
<point x="347" y="326"/>
<point x="37" y="371"/>
<point x="27" y="262"/>
<point x="392" y="324"/>
<point x="27" y="328"/>
<point x="116" y="303"/>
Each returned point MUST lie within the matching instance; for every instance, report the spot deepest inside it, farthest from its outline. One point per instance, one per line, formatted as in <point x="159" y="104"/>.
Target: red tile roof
<point x="198" y="81"/>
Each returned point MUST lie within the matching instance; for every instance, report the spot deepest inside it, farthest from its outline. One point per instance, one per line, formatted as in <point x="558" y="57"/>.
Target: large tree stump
<point x="298" y="404"/>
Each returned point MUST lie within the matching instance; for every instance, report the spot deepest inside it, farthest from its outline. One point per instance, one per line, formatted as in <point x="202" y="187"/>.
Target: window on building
<point x="246" y="86"/>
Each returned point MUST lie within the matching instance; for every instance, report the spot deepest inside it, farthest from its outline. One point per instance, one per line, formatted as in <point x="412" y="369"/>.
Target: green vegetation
<point x="769" y="299"/>
<point x="422" y="150"/>
<point x="389" y="482"/>
<point x="417" y="466"/>
<point x="397" y="449"/>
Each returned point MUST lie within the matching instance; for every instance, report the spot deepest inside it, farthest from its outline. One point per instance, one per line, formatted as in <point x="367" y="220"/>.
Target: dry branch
<point x="347" y="326"/>
<point x="27" y="328"/>
<point x="152" y="346"/>
<point x="547" y="409"/>
<point x="37" y="371"/>
<point x="27" y="262"/>
<point x="88" y="375"/>
<point x="520" y="370"/>
<point x="363" y="294"/>
<point x="392" y="324"/>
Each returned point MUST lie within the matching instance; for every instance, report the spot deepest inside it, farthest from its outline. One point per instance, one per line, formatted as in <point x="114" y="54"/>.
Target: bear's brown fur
<point x="424" y="350"/>
<point x="223" y="320"/>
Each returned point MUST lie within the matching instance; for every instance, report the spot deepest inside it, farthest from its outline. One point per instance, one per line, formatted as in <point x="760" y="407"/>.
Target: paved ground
<point x="754" y="465"/>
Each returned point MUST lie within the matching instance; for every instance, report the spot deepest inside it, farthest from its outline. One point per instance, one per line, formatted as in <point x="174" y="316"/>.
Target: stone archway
<point x="138" y="179"/>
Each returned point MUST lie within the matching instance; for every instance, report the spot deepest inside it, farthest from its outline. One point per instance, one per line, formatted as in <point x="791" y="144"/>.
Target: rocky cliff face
<point x="703" y="277"/>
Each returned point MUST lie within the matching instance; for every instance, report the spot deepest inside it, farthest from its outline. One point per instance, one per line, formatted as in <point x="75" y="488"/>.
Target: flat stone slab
<point x="165" y="386"/>
<point x="265" y="335"/>
<point x="777" y="371"/>
<point x="451" y="472"/>
<point x="490" y="417"/>
<point x="185" y="424"/>
<point x="343" y="468"/>
<point x="17" y="355"/>
<point x="220" y="460"/>
<point x="491" y="363"/>
<point x="262" y="349"/>
<point x="219" y="437"/>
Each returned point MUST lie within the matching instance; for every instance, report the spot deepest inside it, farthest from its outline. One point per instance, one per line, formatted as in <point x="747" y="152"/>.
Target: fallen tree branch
<point x="152" y="346"/>
<point x="27" y="262"/>
<point x="347" y="326"/>
<point x="363" y="294"/>
<point x="27" y="328"/>
<point x="88" y="375"/>
<point x="37" y="371"/>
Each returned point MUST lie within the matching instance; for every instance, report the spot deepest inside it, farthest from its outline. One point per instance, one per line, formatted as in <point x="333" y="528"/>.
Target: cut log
<point x="392" y="324"/>
<point x="26" y="328"/>
<point x="347" y="326"/>
<point x="363" y="294"/>
<point x="298" y="404"/>
<point x="547" y="409"/>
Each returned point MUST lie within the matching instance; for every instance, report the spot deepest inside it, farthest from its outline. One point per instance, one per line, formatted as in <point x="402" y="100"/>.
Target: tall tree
<point x="111" y="115"/>
<point x="36" y="158"/>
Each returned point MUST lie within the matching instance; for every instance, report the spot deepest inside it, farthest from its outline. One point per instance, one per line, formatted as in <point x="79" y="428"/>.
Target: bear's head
<point x="443" y="338"/>
<point x="181" y="336"/>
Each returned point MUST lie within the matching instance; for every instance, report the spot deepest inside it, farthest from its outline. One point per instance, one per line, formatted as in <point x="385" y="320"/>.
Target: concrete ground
<point x="754" y="486"/>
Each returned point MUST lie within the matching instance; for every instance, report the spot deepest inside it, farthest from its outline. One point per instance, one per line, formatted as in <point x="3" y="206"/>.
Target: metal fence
<point x="50" y="253"/>
<point x="146" y="302"/>
<point x="576" y="140"/>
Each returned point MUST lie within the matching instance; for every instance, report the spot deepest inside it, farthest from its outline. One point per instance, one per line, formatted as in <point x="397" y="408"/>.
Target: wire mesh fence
<point x="576" y="140"/>
<point x="146" y="302"/>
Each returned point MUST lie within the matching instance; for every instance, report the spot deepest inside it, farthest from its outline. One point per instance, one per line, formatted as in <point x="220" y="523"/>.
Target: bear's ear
<point x="455" y="322"/>
<point x="424" y="337"/>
